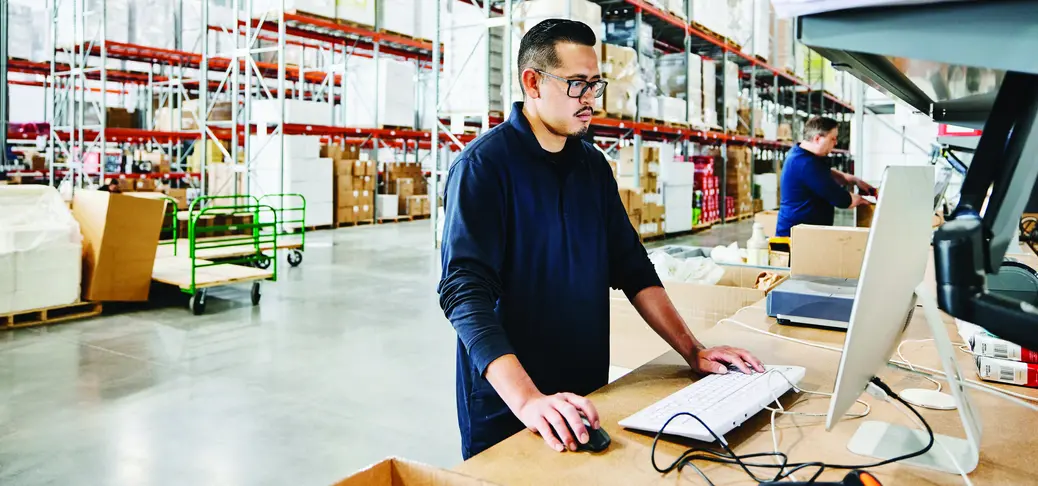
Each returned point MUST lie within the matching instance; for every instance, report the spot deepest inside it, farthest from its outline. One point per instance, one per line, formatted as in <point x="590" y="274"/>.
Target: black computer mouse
<point x="598" y="440"/>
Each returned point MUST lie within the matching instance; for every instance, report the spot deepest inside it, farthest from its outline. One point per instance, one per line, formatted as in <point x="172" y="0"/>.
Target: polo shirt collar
<point x="522" y="127"/>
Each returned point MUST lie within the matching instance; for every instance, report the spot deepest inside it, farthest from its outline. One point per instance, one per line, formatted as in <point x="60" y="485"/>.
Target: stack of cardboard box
<point x="737" y="179"/>
<point x="405" y="179"/>
<point x="650" y="200"/>
<point x="354" y="185"/>
<point x="620" y="69"/>
<point x="632" y="200"/>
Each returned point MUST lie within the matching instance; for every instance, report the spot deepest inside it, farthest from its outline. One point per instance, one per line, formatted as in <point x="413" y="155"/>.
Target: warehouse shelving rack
<point x="759" y="78"/>
<point x="175" y="75"/>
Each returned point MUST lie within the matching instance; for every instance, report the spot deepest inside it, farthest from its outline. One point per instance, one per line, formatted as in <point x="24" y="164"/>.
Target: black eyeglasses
<point x="578" y="87"/>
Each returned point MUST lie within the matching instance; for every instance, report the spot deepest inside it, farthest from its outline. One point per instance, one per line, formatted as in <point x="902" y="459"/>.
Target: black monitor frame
<point x="997" y="187"/>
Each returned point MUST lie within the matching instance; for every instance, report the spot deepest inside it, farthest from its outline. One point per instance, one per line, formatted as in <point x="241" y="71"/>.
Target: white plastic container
<point x="757" y="247"/>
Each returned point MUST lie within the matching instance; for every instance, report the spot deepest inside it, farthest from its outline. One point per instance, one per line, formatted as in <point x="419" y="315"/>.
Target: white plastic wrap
<point x="40" y="249"/>
<point x="728" y="254"/>
<point x="692" y="270"/>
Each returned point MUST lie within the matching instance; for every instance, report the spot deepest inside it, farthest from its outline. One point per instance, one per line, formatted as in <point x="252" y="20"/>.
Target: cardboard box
<point x="180" y="195"/>
<point x="399" y="472"/>
<point x="827" y="251"/>
<point x="404" y="187"/>
<point x="363" y="183"/>
<point x="120" y="236"/>
<point x="863" y="215"/>
<point x="343" y="187"/>
<point x="364" y="212"/>
<point x="767" y="219"/>
<point x="360" y="168"/>
<point x="412" y="205"/>
<point x="632" y="200"/>
<point x="346" y="214"/>
<point x="342" y="167"/>
<point x="126" y="185"/>
<point x="145" y="185"/>
<point x="703" y="305"/>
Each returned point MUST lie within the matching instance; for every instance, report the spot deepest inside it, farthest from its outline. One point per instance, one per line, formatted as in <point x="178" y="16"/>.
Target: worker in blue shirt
<point x="810" y="187"/>
<point x="534" y="236"/>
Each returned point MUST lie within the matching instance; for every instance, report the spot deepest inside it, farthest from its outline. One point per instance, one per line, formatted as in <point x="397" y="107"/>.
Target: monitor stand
<point x="949" y="454"/>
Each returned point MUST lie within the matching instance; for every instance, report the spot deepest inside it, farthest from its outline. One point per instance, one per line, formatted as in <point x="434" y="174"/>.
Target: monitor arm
<point x="998" y="183"/>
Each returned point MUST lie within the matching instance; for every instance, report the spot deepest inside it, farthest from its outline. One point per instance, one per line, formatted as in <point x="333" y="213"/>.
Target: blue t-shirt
<point x="532" y="242"/>
<point x="809" y="192"/>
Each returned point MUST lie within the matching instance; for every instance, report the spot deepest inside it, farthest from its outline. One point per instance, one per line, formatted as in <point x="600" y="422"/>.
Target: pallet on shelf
<point x="49" y="315"/>
<point x="393" y="219"/>
<point x="715" y="35"/>
<point x="396" y="127"/>
<point x="617" y="116"/>
<point x="406" y="36"/>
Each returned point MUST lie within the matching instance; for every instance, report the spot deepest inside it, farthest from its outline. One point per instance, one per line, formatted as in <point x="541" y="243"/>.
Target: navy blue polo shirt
<point x="809" y="192"/>
<point x="532" y="242"/>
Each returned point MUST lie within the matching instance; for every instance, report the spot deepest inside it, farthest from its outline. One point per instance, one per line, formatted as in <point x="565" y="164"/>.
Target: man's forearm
<point x="840" y="177"/>
<point x="658" y="311"/>
<point x="510" y="380"/>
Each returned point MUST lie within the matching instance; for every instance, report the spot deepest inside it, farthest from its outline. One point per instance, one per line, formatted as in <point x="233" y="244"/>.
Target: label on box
<point x="1005" y="371"/>
<point x="993" y="347"/>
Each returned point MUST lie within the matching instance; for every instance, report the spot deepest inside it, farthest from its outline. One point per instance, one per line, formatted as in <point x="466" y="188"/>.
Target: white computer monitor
<point x="895" y="261"/>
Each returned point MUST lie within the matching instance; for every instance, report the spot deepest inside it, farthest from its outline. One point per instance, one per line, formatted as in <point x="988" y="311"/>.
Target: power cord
<point x="785" y="468"/>
<point x="962" y="472"/>
<point x="782" y="410"/>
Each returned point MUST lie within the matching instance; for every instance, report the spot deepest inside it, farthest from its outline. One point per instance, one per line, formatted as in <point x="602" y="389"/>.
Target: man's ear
<point x="531" y="83"/>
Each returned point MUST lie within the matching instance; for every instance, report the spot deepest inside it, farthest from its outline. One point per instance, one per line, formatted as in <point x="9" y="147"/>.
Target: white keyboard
<point x="722" y="401"/>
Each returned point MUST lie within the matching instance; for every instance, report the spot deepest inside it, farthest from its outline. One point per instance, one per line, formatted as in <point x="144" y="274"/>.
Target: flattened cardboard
<point x="399" y="472"/>
<point x="827" y="251"/>
<point x="120" y="236"/>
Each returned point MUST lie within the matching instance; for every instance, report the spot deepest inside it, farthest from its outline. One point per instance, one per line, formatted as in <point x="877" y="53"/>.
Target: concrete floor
<point x="348" y="359"/>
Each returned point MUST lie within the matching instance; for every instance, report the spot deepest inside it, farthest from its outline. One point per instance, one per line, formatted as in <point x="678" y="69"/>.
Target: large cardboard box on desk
<point x="399" y="472"/>
<point x="120" y="235"/>
<point x="827" y="251"/>
<point x="703" y="305"/>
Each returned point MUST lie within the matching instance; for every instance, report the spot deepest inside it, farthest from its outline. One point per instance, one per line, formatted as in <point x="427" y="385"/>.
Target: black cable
<point x="730" y="457"/>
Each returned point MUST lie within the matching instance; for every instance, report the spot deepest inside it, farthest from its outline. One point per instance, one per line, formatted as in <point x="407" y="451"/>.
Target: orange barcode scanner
<point x="853" y="478"/>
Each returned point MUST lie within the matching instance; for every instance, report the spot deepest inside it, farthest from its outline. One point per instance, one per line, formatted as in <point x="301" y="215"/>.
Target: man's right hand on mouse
<point x="544" y="413"/>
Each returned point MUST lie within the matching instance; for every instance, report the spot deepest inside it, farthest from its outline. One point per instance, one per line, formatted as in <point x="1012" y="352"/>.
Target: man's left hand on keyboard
<point x="716" y="360"/>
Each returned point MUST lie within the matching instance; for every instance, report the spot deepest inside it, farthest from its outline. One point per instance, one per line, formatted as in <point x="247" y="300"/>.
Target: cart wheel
<point x="262" y="262"/>
<point x="255" y="293"/>
<point x="197" y="303"/>
<point x="295" y="257"/>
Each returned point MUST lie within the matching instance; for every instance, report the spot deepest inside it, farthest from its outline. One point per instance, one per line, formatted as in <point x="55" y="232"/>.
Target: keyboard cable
<point x="728" y="456"/>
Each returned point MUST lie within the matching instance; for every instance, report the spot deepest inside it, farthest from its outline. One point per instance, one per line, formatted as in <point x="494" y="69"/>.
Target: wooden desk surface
<point x="1007" y="442"/>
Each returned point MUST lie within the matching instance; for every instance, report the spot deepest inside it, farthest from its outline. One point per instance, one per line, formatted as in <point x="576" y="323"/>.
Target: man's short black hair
<point x="819" y="126"/>
<point x="537" y="49"/>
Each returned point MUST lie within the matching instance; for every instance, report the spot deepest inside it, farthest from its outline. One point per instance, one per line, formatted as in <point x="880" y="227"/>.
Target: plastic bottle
<point x="757" y="247"/>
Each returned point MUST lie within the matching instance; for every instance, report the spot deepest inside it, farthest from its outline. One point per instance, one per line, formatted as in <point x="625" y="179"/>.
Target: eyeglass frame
<point x="570" y="83"/>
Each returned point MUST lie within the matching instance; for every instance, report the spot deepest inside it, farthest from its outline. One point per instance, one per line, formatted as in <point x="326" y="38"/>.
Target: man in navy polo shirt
<point x="810" y="187"/>
<point x="534" y="236"/>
